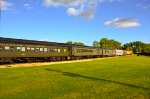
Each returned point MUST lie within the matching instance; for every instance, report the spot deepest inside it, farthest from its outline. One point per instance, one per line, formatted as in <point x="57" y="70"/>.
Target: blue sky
<point x="76" y="20"/>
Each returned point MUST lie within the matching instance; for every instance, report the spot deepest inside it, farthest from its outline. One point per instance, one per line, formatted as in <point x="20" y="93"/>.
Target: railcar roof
<point x="30" y="42"/>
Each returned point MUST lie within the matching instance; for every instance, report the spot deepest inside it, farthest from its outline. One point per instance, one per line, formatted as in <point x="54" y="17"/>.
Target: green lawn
<point x="126" y="77"/>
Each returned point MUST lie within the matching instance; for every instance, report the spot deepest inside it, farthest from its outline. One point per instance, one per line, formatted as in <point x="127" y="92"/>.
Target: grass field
<point x="126" y="77"/>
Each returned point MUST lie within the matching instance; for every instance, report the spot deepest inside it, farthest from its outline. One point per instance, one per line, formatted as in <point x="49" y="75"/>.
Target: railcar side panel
<point x="86" y="51"/>
<point x="119" y="52"/>
<point x="22" y="51"/>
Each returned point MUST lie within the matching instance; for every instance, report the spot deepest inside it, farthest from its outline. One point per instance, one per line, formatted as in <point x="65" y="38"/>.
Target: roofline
<point x="30" y="42"/>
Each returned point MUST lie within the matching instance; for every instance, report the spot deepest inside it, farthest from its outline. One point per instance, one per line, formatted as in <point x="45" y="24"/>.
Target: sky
<point x="76" y="20"/>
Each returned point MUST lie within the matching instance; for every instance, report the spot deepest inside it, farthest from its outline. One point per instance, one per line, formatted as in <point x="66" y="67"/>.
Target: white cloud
<point x="79" y="8"/>
<point x="101" y="1"/>
<point x="129" y="24"/>
<point x="72" y="11"/>
<point x="4" y="5"/>
<point x="122" y="23"/>
<point x="87" y="13"/>
<point x="28" y="6"/>
<point x="61" y="2"/>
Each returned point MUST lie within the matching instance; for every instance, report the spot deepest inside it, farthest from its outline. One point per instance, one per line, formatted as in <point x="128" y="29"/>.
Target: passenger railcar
<point x="85" y="52"/>
<point x="119" y="52"/>
<point x="128" y="52"/>
<point x="19" y="50"/>
<point x="30" y="50"/>
<point x="108" y="52"/>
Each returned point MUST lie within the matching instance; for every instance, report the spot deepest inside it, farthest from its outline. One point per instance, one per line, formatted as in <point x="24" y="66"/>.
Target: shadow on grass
<point x="98" y="79"/>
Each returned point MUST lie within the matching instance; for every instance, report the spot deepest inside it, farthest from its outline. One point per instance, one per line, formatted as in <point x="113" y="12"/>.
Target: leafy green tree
<point x="96" y="44"/>
<point x="75" y="43"/>
<point x="128" y="46"/>
<point x="104" y="43"/>
<point x="80" y="43"/>
<point x="69" y="42"/>
<point x="146" y="48"/>
<point x="114" y="44"/>
<point x="137" y="46"/>
<point x="110" y="44"/>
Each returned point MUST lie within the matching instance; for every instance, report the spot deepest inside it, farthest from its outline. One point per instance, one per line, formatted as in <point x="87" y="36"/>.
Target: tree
<point x="96" y="44"/>
<point x="128" y="46"/>
<point x="114" y="44"/>
<point x="146" y="48"/>
<point x="75" y="43"/>
<point x="78" y="43"/>
<point x="104" y="43"/>
<point x="137" y="46"/>
<point x="110" y="44"/>
<point x="69" y="42"/>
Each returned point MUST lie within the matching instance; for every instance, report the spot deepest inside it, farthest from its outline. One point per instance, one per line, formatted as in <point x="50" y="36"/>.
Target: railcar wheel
<point x="11" y="61"/>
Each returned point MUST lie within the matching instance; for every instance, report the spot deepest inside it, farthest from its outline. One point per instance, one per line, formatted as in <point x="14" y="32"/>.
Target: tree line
<point x="107" y="43"/>
<point x="136" y="46"/>
<point x="75" y="43"/>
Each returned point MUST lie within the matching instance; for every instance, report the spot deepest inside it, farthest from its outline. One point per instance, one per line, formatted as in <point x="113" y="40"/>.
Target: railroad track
<point x="46" y="63"/>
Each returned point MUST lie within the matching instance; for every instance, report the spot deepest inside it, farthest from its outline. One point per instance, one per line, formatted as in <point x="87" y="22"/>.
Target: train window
<point x="45" y="49"/>
<point x="37" y="49"/>
<point x="18" y="48"/>
<point x="58" y="50"/>
<point x="23" y="49"/>
<point x="7" y="47"/>
<point x="41" y="49"/>
<point x="65" y="50"/>
<point x="28" y="48"/>
<point x="55" y="50"/>
<point x="32" y="49"/>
